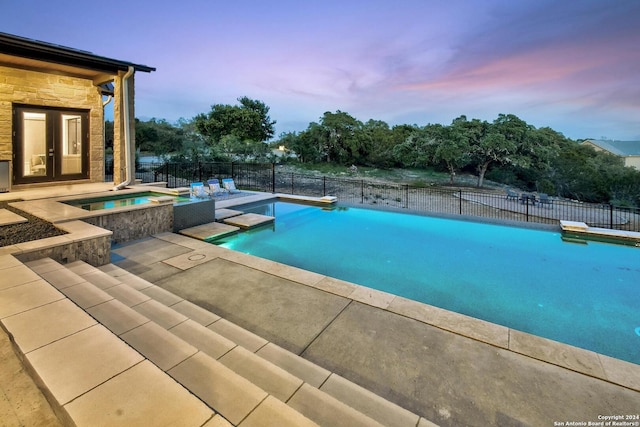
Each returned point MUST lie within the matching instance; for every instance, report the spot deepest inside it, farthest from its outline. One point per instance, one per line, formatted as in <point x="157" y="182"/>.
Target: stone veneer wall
<point x="137" y="223"/>
<point x="50" y="90"/>
<point x="95" y="251"/>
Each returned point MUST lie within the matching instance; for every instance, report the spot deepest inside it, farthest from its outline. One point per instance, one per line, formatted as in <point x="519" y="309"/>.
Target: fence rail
<point x="450" y="201"/>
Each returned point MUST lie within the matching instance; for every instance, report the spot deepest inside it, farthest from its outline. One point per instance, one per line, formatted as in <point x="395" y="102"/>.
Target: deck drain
<point x="197" y="257"/>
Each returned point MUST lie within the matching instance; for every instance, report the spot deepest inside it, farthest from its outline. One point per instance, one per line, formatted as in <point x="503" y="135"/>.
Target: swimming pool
<point x="586" y="295"/>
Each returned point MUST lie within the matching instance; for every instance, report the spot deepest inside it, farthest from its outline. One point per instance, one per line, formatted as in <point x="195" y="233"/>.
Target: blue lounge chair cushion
<point x="214" y="186"/>
<point x="229" y="185"/>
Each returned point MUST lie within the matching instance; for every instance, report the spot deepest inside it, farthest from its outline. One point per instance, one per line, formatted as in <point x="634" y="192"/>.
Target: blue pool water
<point x="586" y="295"/>
<point x="120" y="200"/>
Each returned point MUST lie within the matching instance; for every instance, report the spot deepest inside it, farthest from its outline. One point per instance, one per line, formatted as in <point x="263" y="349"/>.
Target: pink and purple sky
<point x="572" y="65"/>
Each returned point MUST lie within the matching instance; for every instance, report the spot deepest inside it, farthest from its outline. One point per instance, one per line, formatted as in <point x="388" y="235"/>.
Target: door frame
<point x="54" y="152"/>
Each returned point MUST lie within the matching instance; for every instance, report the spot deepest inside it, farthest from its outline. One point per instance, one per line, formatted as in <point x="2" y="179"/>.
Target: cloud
<point x="570" y="65"/>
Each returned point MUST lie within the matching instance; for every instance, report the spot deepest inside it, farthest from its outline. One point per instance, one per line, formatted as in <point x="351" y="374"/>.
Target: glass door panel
<point x="34" y="144"/>
<point x="71" y="144"/>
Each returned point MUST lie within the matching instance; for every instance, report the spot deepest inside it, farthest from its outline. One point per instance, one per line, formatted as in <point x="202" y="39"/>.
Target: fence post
<point x="527" y="209"/>
<point x="610" y="215"/>
<point x="291" y="182"/>
<point x="406" y="196"/>
<point x="460" y="200"/>
<point x="362" y="191"/>
<point x="324" y="185"/>
<point x="273" y="177"/>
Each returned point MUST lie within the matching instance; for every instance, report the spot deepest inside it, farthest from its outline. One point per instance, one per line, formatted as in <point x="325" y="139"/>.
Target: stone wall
<point x="136" y="224"/>
<point x="95" y="251"/>
<point x="49" y="90"/>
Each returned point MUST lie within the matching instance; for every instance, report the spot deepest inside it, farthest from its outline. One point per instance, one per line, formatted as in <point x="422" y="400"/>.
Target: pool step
<point x="228" y="222"/>
<point x="209" y="231"/>
<point x="245" y="376"/>
<point x="222" y="214"/>
<point x="249" y="220"/>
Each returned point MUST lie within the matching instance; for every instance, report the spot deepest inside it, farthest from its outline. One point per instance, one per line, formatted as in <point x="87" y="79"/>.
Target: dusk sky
<point x="573" y="66"/>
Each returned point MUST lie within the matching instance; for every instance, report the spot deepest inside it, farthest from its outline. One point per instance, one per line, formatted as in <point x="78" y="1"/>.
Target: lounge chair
<point x="544" y="199"/>
<point x="512" y="195"/>
<point x="214" y="187"/>
<point x="525" y="198"/>
<point x="229" y="185"/>
<point x="197" y="190"/>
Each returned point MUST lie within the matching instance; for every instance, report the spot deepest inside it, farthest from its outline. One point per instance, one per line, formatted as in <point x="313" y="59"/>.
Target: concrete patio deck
<point x="448" y="368"/>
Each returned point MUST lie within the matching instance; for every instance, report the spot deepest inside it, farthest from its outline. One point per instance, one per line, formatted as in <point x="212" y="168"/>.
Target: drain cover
<point x="197" y="257"/>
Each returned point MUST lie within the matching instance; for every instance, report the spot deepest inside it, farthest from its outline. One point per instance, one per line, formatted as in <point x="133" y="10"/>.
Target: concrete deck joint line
<point x="325" y="328"/>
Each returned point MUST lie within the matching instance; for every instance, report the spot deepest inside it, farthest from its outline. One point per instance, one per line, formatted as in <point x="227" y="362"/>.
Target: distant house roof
<point x="619" y="148"/>
<point x="35" y="54"/>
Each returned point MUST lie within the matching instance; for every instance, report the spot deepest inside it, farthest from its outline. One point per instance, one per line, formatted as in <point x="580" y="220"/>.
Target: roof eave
<point x="34" y="49"/>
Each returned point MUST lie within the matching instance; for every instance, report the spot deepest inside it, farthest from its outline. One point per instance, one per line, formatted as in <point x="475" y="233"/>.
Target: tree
<point x="543" y="146"/>
<point x="399" y="135"/>
<point x="377" y="144"/>
<point x="243" y="151"/>
<point x="417" y="150"/>
<point x="308" y="145"/>
<point x="340" y="140"/>
<point x="159" y="137"/>
<point x="108" y="135"/>
<point x="582" y="173"/>
<point x="493" y="143"/>
<point x="248" y="121"/>
<point x="493" y="147"/>
<point x="451" y="148"/>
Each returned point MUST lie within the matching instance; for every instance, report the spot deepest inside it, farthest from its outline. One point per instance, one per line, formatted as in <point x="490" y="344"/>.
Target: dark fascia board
<point x="43" y="51"/>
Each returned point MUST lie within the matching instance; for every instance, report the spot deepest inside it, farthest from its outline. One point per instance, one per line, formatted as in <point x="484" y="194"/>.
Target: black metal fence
<point x="249" y="176"/>
<point x="450" y="201"/>
<point x="453" y="201"/>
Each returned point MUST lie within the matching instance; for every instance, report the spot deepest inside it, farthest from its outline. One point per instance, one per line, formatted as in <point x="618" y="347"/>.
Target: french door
<point x="49" y="144"/>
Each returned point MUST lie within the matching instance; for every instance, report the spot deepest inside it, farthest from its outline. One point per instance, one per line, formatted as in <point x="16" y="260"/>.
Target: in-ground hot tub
<point x="123" y="200"/>
<point x="137" y="214"/>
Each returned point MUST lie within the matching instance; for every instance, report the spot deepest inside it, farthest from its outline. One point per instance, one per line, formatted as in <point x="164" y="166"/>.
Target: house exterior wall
<point x="49" y="90"/>
<point x="632" y="161"/>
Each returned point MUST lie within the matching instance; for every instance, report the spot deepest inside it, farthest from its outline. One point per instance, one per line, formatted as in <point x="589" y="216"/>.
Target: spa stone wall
<point x="137" y="223"/>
